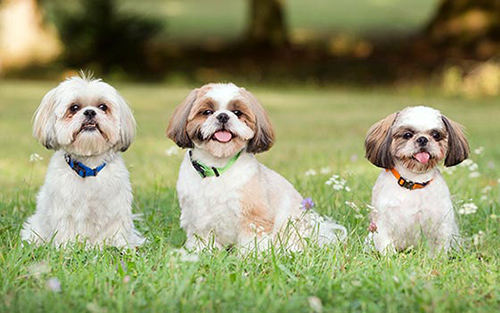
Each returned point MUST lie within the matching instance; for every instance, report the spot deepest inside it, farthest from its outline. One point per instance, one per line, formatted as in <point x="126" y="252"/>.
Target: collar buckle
<point x="408" y="184"/>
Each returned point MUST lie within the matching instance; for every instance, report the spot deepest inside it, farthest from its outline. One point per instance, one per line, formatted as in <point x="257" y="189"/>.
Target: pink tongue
<point x="223" y="136"/>
<point x="422" y="157"/>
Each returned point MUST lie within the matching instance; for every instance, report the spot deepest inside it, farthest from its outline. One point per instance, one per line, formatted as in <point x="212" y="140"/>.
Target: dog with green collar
<point x="227" y="197"/>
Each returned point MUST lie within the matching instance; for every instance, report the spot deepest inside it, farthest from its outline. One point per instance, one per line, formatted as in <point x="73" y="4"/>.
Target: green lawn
<point x="315" y="128"/>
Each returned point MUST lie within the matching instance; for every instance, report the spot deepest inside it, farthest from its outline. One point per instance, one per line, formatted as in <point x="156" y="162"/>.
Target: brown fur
<point x="185" y="124"/>
<point x="458" y="147"/>
<point x="254" y="208"/>
<point x="399" y="143"/>
<point x="247" y="116"/>
<point x="378" y="142"/>
<point x="176" y="129"/>
<point x="264" y="134"/>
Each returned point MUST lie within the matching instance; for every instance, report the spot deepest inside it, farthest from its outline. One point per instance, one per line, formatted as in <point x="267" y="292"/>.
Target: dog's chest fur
<point x="401" y="211"/>
<point x="213" y="204"/>
<point x="90" y="203"/>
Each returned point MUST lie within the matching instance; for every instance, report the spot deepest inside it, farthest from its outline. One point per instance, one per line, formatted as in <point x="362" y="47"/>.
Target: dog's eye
<point x="407" y="135"/>
<point x="74" y="108"/>
<point x="208" y="112"/>
<point x="103" y="107"/>
<point x="436" y="135"/>
<point x="238" y="113"/>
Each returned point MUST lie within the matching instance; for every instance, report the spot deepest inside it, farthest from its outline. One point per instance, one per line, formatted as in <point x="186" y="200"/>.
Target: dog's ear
<point x="127" y="124"/>
<point x="458" y="147"/>
<point x="45" y="120"/>
<point x="176" y="129"/>
<point x="378" y="143"/>
<point x="263" y="139"/>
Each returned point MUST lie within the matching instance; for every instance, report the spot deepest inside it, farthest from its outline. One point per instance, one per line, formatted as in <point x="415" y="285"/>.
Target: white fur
<point x="211" y="212"/>
<point x="404" y="218"/>
<point x="421" y="118"/>
<point x="211" y="207"/>
<point x="69" y="207"/>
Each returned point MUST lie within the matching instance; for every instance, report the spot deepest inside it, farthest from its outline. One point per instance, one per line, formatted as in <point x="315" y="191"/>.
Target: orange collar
<point x="408" y="184"/>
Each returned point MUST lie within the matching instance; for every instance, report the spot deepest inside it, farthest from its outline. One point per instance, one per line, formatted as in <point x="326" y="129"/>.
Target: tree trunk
<point x="467" y="28"/>
<point x="24" y="37"/>
<point x="267" y="24"/>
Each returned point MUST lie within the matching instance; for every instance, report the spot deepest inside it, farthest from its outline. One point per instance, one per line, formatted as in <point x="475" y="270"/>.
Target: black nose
<point x="89" y="113"/>
<point x="223" y="118"/>
<point x="422" y="141"/>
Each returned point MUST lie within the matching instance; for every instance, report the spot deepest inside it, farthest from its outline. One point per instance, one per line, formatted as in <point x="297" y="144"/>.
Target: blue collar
<point x="81" y="169"/>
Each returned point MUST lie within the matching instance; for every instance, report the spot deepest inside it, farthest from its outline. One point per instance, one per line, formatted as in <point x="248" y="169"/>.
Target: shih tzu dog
<point x="411" y="201"/>
<point x="226" y="196"/>
<point x="87" y="194"/>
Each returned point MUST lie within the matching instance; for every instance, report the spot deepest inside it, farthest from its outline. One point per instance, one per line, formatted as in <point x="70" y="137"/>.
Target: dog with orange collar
<point x="411" y="201"/>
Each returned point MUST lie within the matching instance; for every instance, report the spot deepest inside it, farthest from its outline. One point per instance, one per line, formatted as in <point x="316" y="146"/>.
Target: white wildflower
<point x="466" y="163"/>
<point x="54" y="285"/>
<point x="473" y="167"/>
<point x="470" y="165"/>
<point x="484" y="198"/>
<point x="325" y="170"/>
<point x="338" y="183"/>
<point x="478" y="239"/>
<point x="34" y="157"/>
<point x="352" y="205"/>
<point x="474" y="174"/>
<point x="479" y="150"/>
<point x="486" y="189"/>
<point x="358" y="216"/>
<point x="449" y="170"/>
<point x="468" y="208"/>
<point x="493" y="216"/>
<point x="315" y="304"/>
<point x="171" y="151"/>
<point x="38" y="269"/>
<point x="310" y="172"/>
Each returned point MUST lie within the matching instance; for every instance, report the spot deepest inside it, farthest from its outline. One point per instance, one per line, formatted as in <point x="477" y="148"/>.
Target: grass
<point x="315" y="128"/>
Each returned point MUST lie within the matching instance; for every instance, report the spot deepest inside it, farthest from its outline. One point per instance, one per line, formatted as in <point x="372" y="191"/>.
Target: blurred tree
<point x="468" y="28"/>
<point x="267" y="27"/>
<point x="24" y="37"/>
<point x="97" y="36"/>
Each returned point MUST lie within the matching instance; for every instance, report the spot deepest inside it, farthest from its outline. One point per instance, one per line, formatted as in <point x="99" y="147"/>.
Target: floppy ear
<point x="127" y="124"/>
<point x="378" y="143"/>
<point x="458" y="147"/>
<point x="45" y="120"/>
<point x="176" y="129"/>
<point x="264" y="133"/>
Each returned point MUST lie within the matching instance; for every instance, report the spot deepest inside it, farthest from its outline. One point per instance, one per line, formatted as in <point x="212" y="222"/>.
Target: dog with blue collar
<point x="87" y="194"/>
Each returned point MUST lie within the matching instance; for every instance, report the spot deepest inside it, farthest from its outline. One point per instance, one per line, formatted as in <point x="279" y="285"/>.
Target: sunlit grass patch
<point x="320" y="135"/>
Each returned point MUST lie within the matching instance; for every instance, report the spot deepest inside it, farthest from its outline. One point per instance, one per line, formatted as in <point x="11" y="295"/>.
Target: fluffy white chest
<point x="212" y="204"/>
<point x="74" y="205"/>
<point x="402" y="216"/>
<point x="402" y="206"/>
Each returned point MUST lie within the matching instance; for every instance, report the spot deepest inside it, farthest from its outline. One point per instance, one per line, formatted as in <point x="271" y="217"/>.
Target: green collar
<point x="207" y="171"/>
